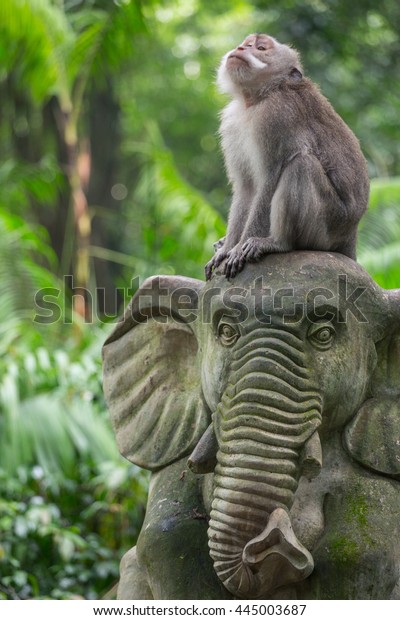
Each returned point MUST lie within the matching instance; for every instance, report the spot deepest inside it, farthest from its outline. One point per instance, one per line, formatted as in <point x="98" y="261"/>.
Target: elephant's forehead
<point x="297" y="283"/>
<point x="301" y="270"/>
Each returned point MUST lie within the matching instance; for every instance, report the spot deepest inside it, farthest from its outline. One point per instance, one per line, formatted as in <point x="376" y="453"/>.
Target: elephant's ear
<point x="150" y="374"/>
<point x="373" y="436"/>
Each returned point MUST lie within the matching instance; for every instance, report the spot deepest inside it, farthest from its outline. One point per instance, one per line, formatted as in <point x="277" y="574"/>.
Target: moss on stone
<point x="357" y="511"/>
<point x="344" y="550"/>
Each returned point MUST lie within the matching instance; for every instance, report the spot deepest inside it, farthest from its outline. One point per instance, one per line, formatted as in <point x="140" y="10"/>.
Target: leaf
<point x="21" y="527"/>
<point x="40" y="32"/>
<point x="86" y="45"/>
<point x="379" y="233"/>
<point x="66" y="547"/>
<point x="384" y="191"/>
<point x="187" y="225"/>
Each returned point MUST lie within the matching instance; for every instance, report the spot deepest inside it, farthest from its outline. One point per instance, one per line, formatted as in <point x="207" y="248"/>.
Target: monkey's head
<point x="256" y="64"/>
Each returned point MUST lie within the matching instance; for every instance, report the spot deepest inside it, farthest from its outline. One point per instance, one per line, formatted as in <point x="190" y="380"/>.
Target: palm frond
<point x="125" y="21"/>
<point x="379" y="233"/>
<point x="47" y="431"/>
<point x="37" y="34"/>
<point x="184" y="224"/>
<point x="25" y="259"/>
<point x="384" y="191"/>
<point x="86" y="44"/>
<point x="381" y="258"/>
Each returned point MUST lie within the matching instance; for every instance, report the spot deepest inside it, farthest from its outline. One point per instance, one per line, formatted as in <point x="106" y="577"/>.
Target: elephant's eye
<point x="321" y="336"/>
<point x="227" y="333"/>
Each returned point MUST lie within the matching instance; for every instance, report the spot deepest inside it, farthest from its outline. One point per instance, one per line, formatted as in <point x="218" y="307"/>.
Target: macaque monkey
<point x="299" y="179"/>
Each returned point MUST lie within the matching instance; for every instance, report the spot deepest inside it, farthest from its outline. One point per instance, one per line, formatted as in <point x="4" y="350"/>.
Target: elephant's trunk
<point x="268" y="412"/>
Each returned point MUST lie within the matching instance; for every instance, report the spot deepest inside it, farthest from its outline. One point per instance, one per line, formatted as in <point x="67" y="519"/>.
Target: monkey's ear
<point x="295" y="74"/>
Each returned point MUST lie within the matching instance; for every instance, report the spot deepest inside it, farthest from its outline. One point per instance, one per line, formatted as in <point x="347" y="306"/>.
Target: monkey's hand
<point x="250" y="252"/>
<point x="216" y="260"/>
<point x="256" y="247"/>
<point x="235" y="262"/>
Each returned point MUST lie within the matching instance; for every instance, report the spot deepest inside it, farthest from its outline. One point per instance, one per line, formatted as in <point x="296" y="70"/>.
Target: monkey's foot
<point x="214" y="263"/>
<point x="250" y="252"/>
<point x="208" y="269"/>
<point x="256" y="247"/>
<point x="235" y="263"/>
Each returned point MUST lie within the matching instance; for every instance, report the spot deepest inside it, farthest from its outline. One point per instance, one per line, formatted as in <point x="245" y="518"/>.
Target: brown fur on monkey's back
<point x="313" y="126"/>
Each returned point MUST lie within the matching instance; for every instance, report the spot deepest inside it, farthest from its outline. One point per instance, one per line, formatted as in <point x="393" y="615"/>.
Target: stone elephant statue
<point x="281" y="391"/>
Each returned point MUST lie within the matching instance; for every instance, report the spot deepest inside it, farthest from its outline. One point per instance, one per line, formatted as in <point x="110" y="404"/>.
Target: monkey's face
<point x="253" y="52"/>
<point x="255" y="62"/>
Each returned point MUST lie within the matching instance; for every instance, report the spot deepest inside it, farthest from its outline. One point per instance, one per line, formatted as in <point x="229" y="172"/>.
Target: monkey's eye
<point x="321" y="335"/>
<point x="248" y="45"/>
<point x="261" y="47"/>
<point x="227" y="333"/>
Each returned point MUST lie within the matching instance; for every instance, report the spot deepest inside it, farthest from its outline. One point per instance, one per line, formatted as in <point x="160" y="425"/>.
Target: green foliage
<point x="34" y="35"/>
<point x="48" y="417"/>
<point x="68" y="502"/>
<point x="66" y="544"/>
<point x="24" y="255"/>
<point x="379" y="234"/>
<point x="180" y="227"/>
<point x="20" y="183"/>
<point x="50" y="48"/>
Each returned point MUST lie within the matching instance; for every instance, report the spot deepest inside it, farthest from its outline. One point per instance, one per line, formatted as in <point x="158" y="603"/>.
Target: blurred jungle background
<point x="110" y="170"/>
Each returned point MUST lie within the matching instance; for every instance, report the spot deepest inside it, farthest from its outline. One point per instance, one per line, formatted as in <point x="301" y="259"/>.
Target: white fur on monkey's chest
<point x="241" y="144"/>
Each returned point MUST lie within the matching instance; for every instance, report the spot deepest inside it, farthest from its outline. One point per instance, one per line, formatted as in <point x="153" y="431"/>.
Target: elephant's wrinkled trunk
<point x="268" y="412"/>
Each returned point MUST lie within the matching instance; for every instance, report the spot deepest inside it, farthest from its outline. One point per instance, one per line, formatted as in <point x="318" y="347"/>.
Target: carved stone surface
<point x="281" y="391"/>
